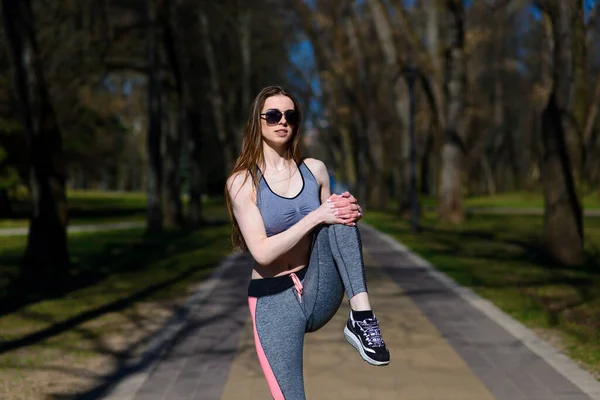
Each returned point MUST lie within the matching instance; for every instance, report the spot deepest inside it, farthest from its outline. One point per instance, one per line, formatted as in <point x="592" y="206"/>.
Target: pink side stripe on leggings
<point x="264" y="363"/>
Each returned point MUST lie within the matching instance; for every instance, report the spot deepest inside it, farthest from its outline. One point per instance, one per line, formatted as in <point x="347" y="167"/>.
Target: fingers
<point x="339" y="203"/>
<point x="342" y="199"/>
<point x="346" y="209"/>
<point x="345" y="206"/>
<point x="350" y="216"/>
<point x="345" y="216"/>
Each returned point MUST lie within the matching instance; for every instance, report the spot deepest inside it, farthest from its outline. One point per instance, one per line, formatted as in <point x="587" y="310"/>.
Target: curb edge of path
<point x="143" y="364"/>
<point x="557" y="360"/>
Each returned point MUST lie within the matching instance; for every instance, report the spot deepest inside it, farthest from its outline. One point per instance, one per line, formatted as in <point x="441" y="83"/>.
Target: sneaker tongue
<point x="370" y="322"/>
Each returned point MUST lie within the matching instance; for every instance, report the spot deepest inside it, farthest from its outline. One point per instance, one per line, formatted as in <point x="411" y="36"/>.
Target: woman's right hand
<point x="327" y="213"/>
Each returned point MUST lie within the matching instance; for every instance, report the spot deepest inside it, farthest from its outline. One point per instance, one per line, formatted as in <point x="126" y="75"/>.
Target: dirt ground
<point x="44" y="373"/>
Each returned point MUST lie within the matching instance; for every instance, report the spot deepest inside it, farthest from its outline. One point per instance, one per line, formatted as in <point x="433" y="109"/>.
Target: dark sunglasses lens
<point x="291" y="117"/>
<point x="273" y="117"/>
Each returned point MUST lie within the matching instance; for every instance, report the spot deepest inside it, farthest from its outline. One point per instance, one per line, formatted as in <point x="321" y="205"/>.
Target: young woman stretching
<point x="305" y="243"/>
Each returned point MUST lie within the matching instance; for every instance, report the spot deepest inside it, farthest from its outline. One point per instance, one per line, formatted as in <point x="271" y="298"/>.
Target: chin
<point x="282" y="140"/>
<point x="277" y="141"/>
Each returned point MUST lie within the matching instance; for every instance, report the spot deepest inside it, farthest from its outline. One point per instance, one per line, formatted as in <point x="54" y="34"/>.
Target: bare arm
<point x="319" y="170"/>
<point x="348" y="210"/>
<point x="265" y="249"/>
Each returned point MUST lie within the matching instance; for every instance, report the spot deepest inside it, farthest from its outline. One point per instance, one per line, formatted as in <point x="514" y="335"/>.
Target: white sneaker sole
<point x="355" y="342"/>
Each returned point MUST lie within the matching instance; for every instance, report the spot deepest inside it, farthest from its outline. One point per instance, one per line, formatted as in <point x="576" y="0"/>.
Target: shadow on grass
<point x="505" y="257"/>
<point x="85" y="209"/>
<point x="116" y="255"/>
<point x="208" y="338"/>
<point x="531" y="248"/>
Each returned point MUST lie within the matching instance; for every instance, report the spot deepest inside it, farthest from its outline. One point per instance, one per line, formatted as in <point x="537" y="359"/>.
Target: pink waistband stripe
<point x="298" y="285"/>
<point x="262" y="358"/>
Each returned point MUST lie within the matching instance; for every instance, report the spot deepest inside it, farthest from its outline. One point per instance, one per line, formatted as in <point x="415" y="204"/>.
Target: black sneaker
<point x="365" y="337"/>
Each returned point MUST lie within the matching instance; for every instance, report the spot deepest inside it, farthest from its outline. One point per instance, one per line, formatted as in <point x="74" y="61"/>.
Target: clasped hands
<point x="346" y="208"/>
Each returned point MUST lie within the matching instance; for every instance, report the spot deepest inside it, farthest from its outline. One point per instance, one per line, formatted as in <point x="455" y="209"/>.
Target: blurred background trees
<point x="152" y="95"/>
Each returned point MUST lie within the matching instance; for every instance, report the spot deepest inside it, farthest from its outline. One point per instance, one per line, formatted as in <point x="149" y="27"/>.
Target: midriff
<point x="292" y="261"/>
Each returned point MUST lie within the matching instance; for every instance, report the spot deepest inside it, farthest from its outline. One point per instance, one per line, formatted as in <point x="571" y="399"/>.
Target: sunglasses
<point x="274" y="116"/>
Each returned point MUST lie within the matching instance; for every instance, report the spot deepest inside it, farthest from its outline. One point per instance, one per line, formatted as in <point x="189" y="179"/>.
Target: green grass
<point x="514" y="200"/>
<point x="94" y="207"/>
<point x="113" y="275"/>
<point x="24" y="223"/>
<point x="500" y="257"/>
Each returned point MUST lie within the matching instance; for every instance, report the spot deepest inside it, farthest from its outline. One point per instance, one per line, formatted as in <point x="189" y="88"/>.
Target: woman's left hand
<point x="347" y="207"/>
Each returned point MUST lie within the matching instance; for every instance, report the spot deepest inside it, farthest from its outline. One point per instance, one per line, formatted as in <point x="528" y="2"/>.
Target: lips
<point x="281" y="132"/>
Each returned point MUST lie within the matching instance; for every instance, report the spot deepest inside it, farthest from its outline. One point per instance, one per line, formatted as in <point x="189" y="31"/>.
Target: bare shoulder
<point x="319" y="170"/>
<point x="239" y="186"/>
<point x="317" y="167"/>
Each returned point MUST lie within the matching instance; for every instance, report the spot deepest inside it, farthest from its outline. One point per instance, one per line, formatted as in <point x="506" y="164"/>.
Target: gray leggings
<point x="303" y="305"/>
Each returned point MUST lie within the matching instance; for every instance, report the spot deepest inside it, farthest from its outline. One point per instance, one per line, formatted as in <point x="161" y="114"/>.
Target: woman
<point x="305" y="243"/>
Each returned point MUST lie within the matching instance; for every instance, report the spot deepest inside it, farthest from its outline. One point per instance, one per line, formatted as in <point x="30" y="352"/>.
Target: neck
<point x="274" y="157"/>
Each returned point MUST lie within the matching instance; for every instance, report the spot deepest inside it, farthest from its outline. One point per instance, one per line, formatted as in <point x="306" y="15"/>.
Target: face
<point x="277" y="132"/>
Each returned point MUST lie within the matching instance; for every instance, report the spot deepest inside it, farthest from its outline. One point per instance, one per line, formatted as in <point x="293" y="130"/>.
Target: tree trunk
<point x="400" y="90"/>
<point x="433" y="48"/>
<point x="490" y="182"/>
<point x="196" y="184"/>
<point x="155" y="212"/>
<point x="46" y="259"/>
<point x="562" y="212"/>
<point x="402" y="103"/>
<point x="349" y="162"/>
<point x="426" y="161"/>
<point x="216" y="97"/>
<point x="5" y="206"/>
<point x="176" y="127"/>
<point x="190" y="117"/>
<point x="450" y="203"/>
<point x="581" y="99"/>
<point x="246" y="50"/>
<point x="360" y="142"/>
<point x="589" y="135"/>
<point x="174" y="207"/>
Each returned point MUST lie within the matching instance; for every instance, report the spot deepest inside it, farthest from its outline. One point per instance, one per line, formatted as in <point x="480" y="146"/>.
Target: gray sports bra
<point x="280" y="213"/>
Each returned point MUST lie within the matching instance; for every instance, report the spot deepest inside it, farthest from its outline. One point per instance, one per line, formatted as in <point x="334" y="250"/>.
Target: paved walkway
<point x="110" y="226"/>
<point x="445" y="343"/>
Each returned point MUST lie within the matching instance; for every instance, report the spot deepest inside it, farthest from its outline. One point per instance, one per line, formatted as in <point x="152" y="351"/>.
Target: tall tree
<point x="562" y="210"/>
<point x="453" y="150"/>
<point x="176" y="129"/>
<point x="46" y="258"/>
<point x="216" y="95"/>
<point x="155" y="173"/>
<point x="381" y="20"/>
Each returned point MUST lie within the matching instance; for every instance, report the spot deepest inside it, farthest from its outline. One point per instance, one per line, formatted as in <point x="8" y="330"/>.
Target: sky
<point x="302" y="54"/>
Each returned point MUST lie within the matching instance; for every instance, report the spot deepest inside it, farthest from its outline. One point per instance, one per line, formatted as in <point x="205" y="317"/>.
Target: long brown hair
<point x="252" y="151"/>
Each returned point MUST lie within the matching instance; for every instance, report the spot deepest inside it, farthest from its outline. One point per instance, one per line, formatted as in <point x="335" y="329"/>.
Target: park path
<point x="445" y="343"/>
<point x="110" y="226"/>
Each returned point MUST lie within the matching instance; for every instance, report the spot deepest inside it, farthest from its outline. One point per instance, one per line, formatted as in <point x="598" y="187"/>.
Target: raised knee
<point x="343" y="233"/>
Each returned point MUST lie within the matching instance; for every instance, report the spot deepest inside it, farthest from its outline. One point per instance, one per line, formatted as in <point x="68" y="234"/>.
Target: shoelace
<point x="372" y="333"/>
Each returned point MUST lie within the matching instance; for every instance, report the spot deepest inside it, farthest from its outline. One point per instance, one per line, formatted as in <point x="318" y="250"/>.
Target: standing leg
<point x="279" y="325"/>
